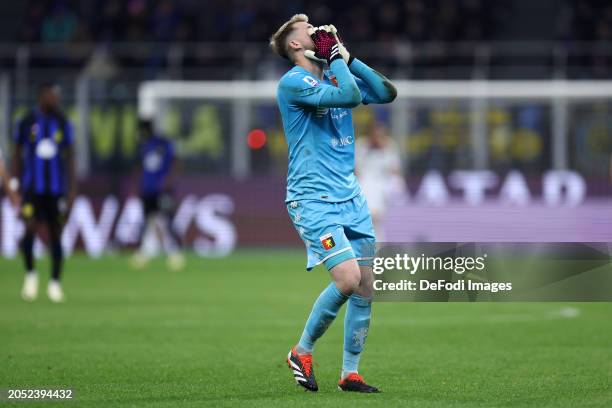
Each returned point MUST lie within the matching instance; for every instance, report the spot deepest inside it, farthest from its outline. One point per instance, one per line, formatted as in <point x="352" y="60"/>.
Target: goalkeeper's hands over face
<point x="328" y="45"/>
<point x="346" y="56"/>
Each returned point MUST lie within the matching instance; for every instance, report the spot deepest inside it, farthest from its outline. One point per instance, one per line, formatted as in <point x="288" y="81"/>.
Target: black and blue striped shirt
<point x="44" y="139"/>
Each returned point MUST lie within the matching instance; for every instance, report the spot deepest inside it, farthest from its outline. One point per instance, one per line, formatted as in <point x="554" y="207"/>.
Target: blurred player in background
<point x="44" y="165"/>
<point x="378" y="167"/>
<point x="157" y="171"/>
<point x="324" y="199"/>
<point x="8" y="184"/>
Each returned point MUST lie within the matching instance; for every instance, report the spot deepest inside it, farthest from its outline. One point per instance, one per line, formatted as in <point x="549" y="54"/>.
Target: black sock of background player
<point x="57" y="257"/>
<point x="27" y="246"/>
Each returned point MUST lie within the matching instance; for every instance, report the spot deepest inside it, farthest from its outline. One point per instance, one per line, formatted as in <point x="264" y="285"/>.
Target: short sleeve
<point x="303" y="89"/>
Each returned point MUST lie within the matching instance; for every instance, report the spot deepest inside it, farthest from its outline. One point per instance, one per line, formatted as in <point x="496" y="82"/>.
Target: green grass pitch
<point x="217" y="334"/>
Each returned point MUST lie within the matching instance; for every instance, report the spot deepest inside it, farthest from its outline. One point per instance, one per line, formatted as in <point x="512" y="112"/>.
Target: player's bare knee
<point x="347" y="277"/>
<point x="348" y="284"/>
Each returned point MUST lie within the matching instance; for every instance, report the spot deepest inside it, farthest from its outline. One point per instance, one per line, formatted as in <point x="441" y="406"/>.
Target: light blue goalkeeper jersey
<point x="321" y="140"/>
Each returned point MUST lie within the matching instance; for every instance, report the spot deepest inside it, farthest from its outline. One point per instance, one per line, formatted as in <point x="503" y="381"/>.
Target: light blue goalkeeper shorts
<point x="334" y="232"/>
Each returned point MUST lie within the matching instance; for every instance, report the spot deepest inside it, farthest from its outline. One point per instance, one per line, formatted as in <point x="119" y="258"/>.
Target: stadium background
<point x="102" y="51"/>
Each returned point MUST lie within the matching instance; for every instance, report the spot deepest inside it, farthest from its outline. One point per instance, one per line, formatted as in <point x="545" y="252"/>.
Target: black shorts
<point x="150" y="204"/>
<point x="43" y="207"/>
<point x="157" y="203"/>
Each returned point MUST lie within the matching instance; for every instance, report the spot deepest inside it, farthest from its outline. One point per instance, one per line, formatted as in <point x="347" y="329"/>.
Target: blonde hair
<point x="278" y="41"/>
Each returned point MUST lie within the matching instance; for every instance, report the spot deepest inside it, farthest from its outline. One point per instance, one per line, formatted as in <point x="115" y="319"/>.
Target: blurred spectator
<point x="589" y="21"/>
<point x="397" y="24"/>
<point x="379" y="169"/>
<point x="136" y="21"/>
<point x="33" y="21"/>
<point x="108" y="23"/>
<point x="165" y="21"/>
<point x="59" y="24"/>
<point x="247" y="20"/>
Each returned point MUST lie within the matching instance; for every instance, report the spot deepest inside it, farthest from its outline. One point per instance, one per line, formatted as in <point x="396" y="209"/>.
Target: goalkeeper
<point x="324" y="199"/>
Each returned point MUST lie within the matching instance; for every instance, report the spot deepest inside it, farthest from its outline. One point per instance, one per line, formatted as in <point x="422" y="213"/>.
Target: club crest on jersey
<point x="327" y="241"/>
<point x="310" y="80"/>
<point x="333" y="80"/>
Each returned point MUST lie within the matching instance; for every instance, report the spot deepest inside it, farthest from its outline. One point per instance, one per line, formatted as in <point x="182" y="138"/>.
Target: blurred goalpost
<point x="154" y="95"/>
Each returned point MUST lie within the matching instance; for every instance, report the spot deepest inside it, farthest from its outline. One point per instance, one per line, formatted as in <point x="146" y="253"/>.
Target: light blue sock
<point x="323" y="314"/>
<point x="356" y="326"/>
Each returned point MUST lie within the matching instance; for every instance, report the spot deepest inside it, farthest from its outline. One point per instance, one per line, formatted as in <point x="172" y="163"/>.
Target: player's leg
<point x="29" y="291"/>
<point x="357" y="322"/>
<point x="170" y="243"/>
<point x="170" y="239"/>
<point x="345" y="279"/>
<point x="148" y="229"/>
<point x="27" y="246"/>
<point x="325" y="243"/>
<point x="356" y="328"/>
<point x="54" y="225"/>
<point x="359" y="306"/>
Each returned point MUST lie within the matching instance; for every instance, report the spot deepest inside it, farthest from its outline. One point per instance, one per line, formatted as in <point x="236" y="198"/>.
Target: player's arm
<point x="16" y="160"/>
<point x="71" y="163"/>
<point x="304" y="90"/>
<point x="4" y="176"/>
<point x="173" y="167"/>
<point x="10" y="182"/>
<point x="13" y="185"/>
<point x="19" y="139"/>
<point x="346" y="94"/>
<point x="374" y="86"/>
<point x="72" y="184"/>
<point x="137" y="171"/>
